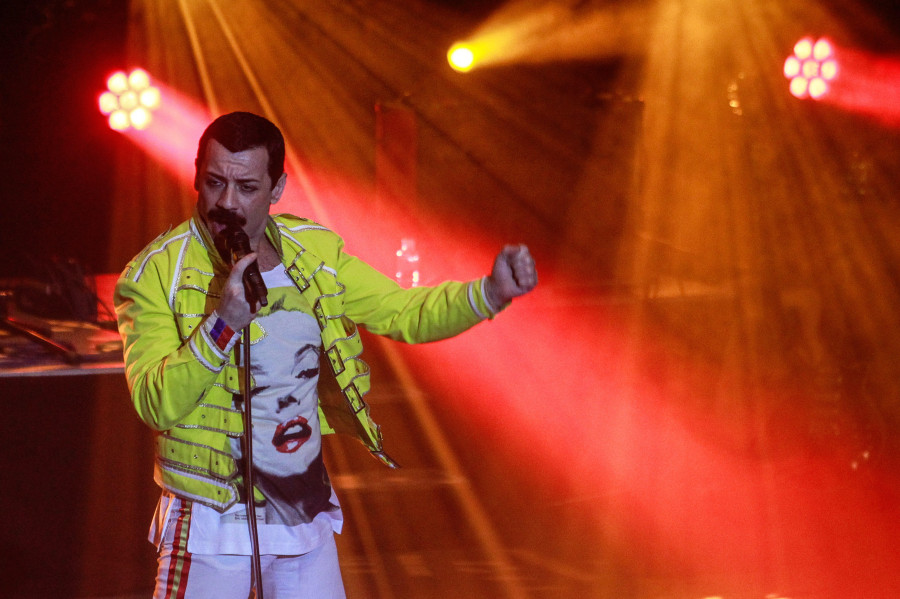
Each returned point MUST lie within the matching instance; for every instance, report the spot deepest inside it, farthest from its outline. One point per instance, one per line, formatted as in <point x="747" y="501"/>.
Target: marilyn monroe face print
<point x="287" y="448"/>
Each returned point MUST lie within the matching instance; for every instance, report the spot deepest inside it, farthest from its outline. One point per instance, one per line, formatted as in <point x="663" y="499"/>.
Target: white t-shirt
<point x="301" y="509"/>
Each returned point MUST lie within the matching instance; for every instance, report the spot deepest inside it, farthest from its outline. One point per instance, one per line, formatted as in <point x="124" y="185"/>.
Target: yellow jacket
<point x="182" y="384"/>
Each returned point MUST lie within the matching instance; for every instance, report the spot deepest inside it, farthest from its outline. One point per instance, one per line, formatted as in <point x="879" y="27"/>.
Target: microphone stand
<point x="238" y="244"/>
<point x="256" y="567"/>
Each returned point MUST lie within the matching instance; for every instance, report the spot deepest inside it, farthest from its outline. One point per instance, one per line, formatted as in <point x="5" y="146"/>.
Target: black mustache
<point x="226" y="217"/>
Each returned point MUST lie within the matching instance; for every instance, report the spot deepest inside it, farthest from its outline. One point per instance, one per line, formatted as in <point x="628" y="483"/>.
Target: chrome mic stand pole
<point x="248" y="466"/>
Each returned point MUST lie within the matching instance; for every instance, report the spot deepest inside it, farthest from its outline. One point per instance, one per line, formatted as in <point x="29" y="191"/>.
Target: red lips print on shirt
<point x="291" y="435"/>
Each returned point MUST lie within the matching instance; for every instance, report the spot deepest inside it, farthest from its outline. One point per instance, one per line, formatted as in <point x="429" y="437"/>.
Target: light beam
<point x="536" y="32"/>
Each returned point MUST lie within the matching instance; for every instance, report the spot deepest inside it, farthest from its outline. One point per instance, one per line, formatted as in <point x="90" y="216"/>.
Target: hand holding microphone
<point x="244" y="286"/>
<point x="238" y="245"/>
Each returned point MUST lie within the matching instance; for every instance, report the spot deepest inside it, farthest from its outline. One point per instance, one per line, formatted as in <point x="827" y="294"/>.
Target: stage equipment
<point x="247" y="445"/>
<point x="811" y="68"/>
<point x="461" y="57"/>
<point x="59" y="324"/>
<point x="129" y="100"/>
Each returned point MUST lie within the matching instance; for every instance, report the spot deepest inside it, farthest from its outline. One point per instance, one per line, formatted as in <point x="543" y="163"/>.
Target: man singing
<point x="182" y="307"/>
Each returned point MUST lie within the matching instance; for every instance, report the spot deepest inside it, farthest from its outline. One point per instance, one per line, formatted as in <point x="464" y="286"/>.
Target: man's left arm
<point x="424" y="314"/>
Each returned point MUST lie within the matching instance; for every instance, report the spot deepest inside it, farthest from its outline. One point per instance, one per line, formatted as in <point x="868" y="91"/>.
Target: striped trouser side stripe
<point x="180" y="560"/>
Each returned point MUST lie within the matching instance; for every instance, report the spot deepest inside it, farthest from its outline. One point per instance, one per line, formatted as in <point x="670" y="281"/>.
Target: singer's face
<point x="239" y="183"/>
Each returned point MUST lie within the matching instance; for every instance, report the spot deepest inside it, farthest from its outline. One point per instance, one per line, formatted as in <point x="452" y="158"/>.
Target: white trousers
<point x="314" y="575"/>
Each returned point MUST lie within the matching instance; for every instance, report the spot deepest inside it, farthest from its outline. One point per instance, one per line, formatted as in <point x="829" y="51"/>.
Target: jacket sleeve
<point x="167" y="376"/>
<point x="416" y="315"/>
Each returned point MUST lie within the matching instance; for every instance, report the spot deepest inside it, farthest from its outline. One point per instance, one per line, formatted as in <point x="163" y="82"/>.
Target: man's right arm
<point x="167" y="376"/>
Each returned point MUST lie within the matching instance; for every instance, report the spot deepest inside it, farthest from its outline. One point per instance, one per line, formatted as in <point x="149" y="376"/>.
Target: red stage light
<point x="810" y="68"/>
<point x="803" y="48"/>
<point x="817" y="88"/>
<point x="822" y="50"/>
<point x="130" y="100"/>
<point x="791" y="67"/>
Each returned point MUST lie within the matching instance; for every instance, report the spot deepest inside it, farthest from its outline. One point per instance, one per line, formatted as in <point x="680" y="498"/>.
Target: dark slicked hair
<point x="239" y="131"/>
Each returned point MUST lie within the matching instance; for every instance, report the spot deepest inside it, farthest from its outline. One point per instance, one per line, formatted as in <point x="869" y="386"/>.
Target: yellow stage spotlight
<point x="461" y="57"/>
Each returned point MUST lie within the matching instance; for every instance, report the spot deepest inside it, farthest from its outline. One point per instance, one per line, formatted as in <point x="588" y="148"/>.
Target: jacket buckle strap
<point x="354" y="398"/>
<point x="337" y="362"/>
<point x="297" y="275"/>
<point x="320" y="315"/>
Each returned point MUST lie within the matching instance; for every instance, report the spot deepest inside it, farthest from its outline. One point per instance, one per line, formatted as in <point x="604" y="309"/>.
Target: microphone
<point x="238" y="244"/>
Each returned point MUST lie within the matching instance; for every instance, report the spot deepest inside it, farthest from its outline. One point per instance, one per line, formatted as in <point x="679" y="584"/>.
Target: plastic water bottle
<point x="407" y="263"/>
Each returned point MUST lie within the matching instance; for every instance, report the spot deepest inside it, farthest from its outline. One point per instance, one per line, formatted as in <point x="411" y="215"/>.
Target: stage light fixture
<point x="130" y="100"/>
<point x="811" y="68"/>
<point x="461" y="57"/>
<point x="117" y="82"/>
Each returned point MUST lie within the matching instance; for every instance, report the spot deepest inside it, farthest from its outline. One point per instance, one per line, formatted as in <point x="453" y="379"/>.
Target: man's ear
<point x="278" y="189"/>
<point x="196" y="175"/>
